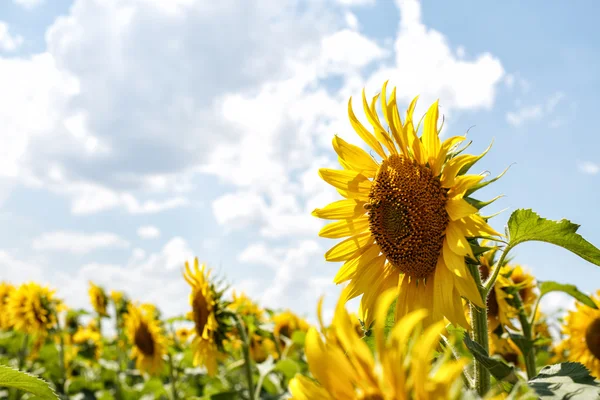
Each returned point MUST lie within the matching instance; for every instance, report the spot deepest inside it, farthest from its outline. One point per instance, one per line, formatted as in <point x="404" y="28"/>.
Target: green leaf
<point x="390" y="319"/>
<point x="288" y="367"/>
<point x="12" y="378"/>
<point x="498" y="369"/>
<point x="550" y="286"/>
<point x="565" y="381"/>
<point x="526" y="225"/>
<point x="225" y="396"/>
<point x="524" y="344"/>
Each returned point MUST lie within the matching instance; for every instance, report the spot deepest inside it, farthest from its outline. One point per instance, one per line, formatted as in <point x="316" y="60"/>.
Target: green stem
<point x="528" y="333"/>
<point x="479" y="327"/>
<point x="489" y="284"/>
<point x="21" y="362"/>
<point x="173" y="377"/>
<point x="61" y="355"/>
<point x="246" y="350"/>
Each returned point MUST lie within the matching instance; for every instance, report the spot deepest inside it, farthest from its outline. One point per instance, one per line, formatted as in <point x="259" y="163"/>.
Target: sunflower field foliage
<point x="445" y="311"/>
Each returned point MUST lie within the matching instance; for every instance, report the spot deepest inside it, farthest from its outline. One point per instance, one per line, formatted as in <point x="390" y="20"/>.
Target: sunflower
<point x="345" y="369"/>
<point x="261" y="348"/>
<point x="6" y="289"/>
<point x="243" y="305"/>
<point x="582" y="330"/>
<point x="408" y="217"/>
<point x="88" y="342"/>
<point x="148" y="342"/>
<point x="32" y="309"/>
<point x="505" y="347"/>
<point x="210" y="329"/>
<point x="286" y="323"/>
<point x="99" y="299"/>
<point x="526" y="284"/>
<point x="183" y="334"/>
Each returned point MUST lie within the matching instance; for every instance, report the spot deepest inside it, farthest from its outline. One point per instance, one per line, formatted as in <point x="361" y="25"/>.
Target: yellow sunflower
<point x="183" y="334"/>
<point x="526" y="284"/>
<point x="99" y="299"/>
<point x="148" y="342"/>
<point x="243" y="305"/>
<point x="407" y="217"/>
<point x="88" y="342"/>
<point x="582" y="331"/>
<point x="261" y="348"/>
<point x="505" y="347"/>
<point x="286" y="323"/>
<point x="32" y="308"/>
<point x="209" y="330"/>
<point x="6" y="289"/>
<point x="345" y="368"/>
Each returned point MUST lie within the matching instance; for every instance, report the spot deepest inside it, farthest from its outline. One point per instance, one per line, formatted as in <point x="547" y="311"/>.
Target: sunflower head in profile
<point x="33" y="308"/>
<point x="286" y="323"/>
<point x="211" y="327"/>
<point x="99" y="299"/>
<point x="120" y="301"/>
<point x="244" y="306"/>
<point x="88" y="343"/>
<point x="581" y="329"/>
<point x="407" y="214"/>
<point x="404" y="366"/>
<point x="261" y="348"/>
<point x="6" y="289"/>
<point x="525" y="284"/>
<point x="145" y="334"/>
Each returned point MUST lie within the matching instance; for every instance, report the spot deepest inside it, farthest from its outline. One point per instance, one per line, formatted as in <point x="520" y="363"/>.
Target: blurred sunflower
<point x="526" y="285"/>
<point x="243" y="305"/>
<point x="98" y="299"/>
<point x="210" y="327"/>
<point x="120" y="301"/>
<point x="6" y="289"/>
<point x="88" y="342"/>
<point x="183" y="334"/>
<point x="505" y="347"/>
<point x="261" y="348"/>
<point x="148" y="342"/>
<point x="286" y="323"/>
<point x="582" y="330"/>
<point x="32" y="308"/>
<point x="408" y="217"/>
<point x="345" y="368"/>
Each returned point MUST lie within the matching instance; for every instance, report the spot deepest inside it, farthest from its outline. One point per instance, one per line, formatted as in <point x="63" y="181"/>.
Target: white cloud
<point x="354" y="3"/>
<point x="78" y="242"/>
<point x="8" y="42"/>
<point x="536" y="112"/>
<point x="29" y="4"/>
<point x="236" y="210"/>
<point x="588" y="167"/>
<point x="148" y="232"/>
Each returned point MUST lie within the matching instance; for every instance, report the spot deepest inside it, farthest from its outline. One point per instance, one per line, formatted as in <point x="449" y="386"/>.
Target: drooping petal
<point x="456" y="240"/>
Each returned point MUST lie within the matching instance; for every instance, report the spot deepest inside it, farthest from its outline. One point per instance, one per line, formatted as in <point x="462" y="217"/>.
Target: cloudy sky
<point x="137" y="134"/>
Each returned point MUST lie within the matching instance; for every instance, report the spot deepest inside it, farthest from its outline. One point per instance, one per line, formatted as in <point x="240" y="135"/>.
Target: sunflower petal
<point x="354" y="156"/>
<point x="346" y="227"/>
<point x="365" y="135"/>
<point x="431" y="139"/>
<point x="458" y="208"/>
<point x="341" y="209"/>
<point x="350" y="181"/>
<point x="456" y="239"/>
<point x="350" y="267"/>
<point x="350" y="247"/>
<point x="380" y="133"/>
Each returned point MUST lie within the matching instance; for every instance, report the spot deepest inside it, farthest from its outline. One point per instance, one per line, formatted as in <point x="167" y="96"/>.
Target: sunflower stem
<point x="246" y="350"/>
<point x="173" y="377"/>
<point x="16" y="394"/>
<point x="479" y="327"/>
<point x="61" y="354"/>
<point x="527" y="328"/>
<point x="489" y="284"/>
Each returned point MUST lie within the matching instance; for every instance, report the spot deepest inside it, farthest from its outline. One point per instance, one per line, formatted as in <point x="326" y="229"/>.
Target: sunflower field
<point x="445" y="310"/>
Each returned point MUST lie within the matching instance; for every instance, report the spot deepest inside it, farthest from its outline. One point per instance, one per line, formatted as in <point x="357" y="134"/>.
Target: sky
<point x="138" y="134"/>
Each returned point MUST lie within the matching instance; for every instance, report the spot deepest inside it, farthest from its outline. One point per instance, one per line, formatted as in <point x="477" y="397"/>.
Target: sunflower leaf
<point x="499" y="370"/>
<point x="565" y="381"/>
<point x="550" y="286"/>
<point x="524" y="344"/>
<point x="12" y="378"/>
<point x="526" y="225"/>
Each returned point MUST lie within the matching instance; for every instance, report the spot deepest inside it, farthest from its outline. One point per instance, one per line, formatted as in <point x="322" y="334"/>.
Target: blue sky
<point x="139" y="133"/>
